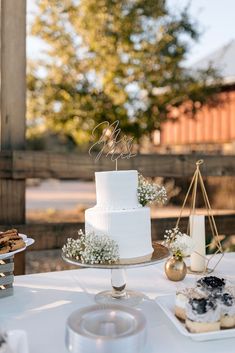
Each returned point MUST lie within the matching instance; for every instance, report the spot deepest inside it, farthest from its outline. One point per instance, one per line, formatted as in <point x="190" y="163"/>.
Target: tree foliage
<point x="109" y="60"/>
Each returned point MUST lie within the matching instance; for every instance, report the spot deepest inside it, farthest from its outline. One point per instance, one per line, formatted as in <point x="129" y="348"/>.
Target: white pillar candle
<point x="197" y="232"/>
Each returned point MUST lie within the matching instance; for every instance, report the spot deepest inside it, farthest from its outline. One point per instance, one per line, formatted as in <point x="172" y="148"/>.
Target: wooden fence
<point x="16" y="165"/>
<point x="19" y="165"/>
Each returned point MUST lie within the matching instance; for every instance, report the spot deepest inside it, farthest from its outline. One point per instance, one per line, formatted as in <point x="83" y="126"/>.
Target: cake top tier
<point x="117" y="189"/>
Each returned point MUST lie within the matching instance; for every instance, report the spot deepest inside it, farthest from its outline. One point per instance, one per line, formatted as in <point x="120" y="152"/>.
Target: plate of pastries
<point x="12" y="242"/>
<point x="205" y="311"/>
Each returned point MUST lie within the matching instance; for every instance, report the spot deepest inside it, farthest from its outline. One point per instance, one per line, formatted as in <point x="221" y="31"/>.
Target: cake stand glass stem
<point x="119" y="294"/>
<point x="118" y="281"/>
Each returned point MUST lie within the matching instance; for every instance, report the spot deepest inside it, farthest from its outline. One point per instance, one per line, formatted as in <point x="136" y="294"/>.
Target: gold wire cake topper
<point x="110" y="143"/>
<point x="197" y="179"/>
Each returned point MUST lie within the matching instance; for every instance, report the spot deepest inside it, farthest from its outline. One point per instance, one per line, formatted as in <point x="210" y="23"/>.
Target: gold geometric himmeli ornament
<point x="197" y="179"/>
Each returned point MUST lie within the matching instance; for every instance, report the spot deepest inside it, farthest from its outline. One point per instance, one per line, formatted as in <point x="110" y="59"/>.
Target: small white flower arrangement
<point x="180" y="244"/>
<point x="92" y="249"/>
<point x="150" y="192"/>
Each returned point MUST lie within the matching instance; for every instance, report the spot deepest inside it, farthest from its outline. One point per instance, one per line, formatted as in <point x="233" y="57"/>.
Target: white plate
<point x="167" y="304"/>
<point x="110" y="328"/>
<point x="28" y="242"/>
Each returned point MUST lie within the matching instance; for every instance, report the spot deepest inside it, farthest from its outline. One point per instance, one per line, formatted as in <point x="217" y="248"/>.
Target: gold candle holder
<point x="196" y="181"/>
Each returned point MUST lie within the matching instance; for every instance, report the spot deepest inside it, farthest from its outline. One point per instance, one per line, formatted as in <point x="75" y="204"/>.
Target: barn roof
<point x="222" y="59"/>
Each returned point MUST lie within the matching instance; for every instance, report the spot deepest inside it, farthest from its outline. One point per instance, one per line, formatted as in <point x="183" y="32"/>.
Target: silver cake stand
<point x="119" y="294"/>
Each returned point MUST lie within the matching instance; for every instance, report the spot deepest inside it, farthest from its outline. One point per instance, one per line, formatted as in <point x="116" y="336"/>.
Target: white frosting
<point x="226" y="309"/>
<point x="131" y="229"/>
<point x="119" y="215"/>
<point x="212" y="315"/>
<point x="181" y="300"/>
<point x="183" y="296"/>
<point x="117" y="189"/>
<point x="230" y="289"/>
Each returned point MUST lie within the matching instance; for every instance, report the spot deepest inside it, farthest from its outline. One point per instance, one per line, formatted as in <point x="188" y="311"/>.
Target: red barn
<point x="213" y="128"/>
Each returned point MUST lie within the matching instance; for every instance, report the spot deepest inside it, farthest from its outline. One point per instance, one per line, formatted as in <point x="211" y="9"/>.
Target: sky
<point x="216" y="19"/>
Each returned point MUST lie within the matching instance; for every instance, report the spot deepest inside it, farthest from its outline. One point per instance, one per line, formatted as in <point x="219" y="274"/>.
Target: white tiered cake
<point x="119" y="215"/>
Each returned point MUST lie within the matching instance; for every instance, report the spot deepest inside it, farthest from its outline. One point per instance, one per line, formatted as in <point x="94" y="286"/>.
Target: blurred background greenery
<point x="109" y="60"/>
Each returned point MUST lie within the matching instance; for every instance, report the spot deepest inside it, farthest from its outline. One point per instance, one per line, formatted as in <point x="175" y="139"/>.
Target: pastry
<point x="211" y="284"/>
<point x="180" y="304"/>
<point x="9" y="238"/>
<point x="202" y="315"/>
<point x="10" y="241"/>
<point x="9" y="235"/>
<point x="182" y="297"/>
<point x="16" y="244"/>
<point x="227" y="303"/>
<point x="9" y="231"/>
<point x="4" y="346"/>
<point x="4" y="249"/>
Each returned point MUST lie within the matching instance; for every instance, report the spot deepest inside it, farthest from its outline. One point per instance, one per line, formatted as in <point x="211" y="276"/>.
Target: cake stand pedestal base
<point x="131" y="298"/>
<point x="119" y="294"/>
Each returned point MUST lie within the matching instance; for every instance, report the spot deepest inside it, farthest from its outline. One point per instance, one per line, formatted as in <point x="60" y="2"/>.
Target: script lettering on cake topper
<point x="110" y="143"/>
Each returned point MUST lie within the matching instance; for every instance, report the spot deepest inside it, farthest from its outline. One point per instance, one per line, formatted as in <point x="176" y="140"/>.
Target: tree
<point x="109" y="60"/>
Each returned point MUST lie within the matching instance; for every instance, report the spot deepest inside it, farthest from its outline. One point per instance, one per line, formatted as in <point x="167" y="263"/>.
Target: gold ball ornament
<point x="175" y="269"/>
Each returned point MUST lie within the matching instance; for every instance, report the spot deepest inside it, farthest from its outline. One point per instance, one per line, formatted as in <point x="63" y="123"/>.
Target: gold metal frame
<point x="197" y="179"/>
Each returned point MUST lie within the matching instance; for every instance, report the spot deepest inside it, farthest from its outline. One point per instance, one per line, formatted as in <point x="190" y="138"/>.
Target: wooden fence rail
<point x="18" y="165"/>
<point x="53" y="235"/>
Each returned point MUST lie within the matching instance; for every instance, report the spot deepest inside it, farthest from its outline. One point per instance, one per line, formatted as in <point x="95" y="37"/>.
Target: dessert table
<point x="42" y="302"/>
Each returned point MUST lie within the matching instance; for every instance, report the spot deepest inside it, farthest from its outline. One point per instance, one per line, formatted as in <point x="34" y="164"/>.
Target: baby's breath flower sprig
<point x="150" y="192"/>
<point x="180" y="244"/>
<point x="92" y="249"/>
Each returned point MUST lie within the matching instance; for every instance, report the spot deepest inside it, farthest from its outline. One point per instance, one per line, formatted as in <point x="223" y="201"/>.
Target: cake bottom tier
<point x="131" y="229"/>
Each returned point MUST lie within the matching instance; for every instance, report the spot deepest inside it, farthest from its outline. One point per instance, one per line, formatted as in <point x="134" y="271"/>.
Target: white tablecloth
<point x="42" y="303"/>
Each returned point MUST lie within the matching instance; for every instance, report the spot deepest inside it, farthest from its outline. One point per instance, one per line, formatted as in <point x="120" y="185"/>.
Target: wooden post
<point x="12" y="108"/>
